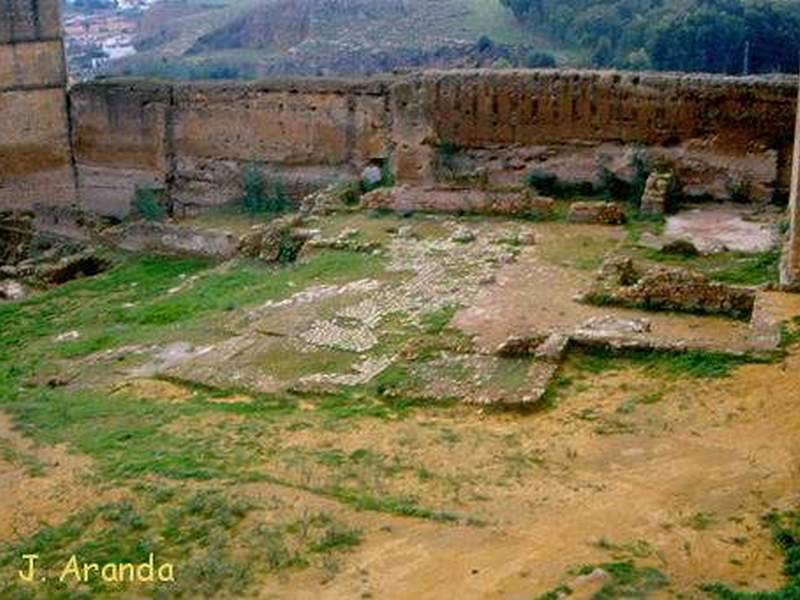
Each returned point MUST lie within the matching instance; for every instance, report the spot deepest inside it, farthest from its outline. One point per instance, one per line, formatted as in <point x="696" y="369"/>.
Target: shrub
<point x="349" y="192"/>
<point x="540" y="60"/>
<point x="259" y="197"/>
<point x="447" y="153"/>
<point x="484" y="44"/>
<point x="147" y="205"/>
<point x="288" y="249"/>
<point x="548" y="184"/>
<point x="741" y="190"/>
<point x="614" y="186"/>
<point x="545" y="183"/>
<point x="386" y="180"/>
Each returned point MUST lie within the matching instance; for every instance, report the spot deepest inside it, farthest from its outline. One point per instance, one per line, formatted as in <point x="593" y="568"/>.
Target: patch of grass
<point x="628" y="580"/>
<point x="612" y="426"/>
<point x="554" y="391"/>
<point x="625" y="580"/>
<point x="753" y="269"/>
<point x="436" y="322"/>
<point x="785" y="529"/>
<point x="131" y="304"/>
<point x="735" y="268"/>
<point x="33" y="466"/>
<point x="286" y="362"/>
<point x="628" y="550"/>
<point x="126" y="436"/>
<point x="701" y="521"/>
<point x="629" y="406"/>
<point x="127" y="531"/>
<point x="694" y="363"/>
<point x="638" y="224"/>
<point x="337" y="536"/>
<point x="406" y="507"/>
<point x="790" y="332"/>
<point x="204" y="534"/>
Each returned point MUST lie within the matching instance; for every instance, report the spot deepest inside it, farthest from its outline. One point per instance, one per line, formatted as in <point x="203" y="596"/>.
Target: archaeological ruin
<point x="371" y="296"/>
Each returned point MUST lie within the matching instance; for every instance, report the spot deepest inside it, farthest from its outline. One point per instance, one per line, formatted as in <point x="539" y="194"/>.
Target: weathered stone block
<point x="619" y="282"/>
<point x="173" y="239"/>
<point x="37" y="64"/>
<point x="27" y="20"/>
<point x="35" y="156"/>
<point x="601" y="213"/>
<point x="658" y="195"/>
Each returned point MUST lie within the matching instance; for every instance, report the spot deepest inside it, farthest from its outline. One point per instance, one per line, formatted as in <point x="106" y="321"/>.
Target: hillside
<point x="331" y="37"/>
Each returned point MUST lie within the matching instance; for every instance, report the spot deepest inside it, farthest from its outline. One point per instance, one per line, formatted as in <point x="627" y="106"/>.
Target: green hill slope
<point x="333" y="37"/>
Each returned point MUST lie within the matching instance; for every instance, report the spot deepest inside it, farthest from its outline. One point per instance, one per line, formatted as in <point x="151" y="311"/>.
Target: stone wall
<point x="35" y="155"/>
<point x="194" y="139"/>
<point x="722" y="135"/>
<point x="790" y="261"/>
<point x="719" y="133"/>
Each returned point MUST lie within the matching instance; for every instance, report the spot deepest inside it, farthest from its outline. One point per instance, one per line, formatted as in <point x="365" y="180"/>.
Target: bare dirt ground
<point x="41" y="484"/>
<point x="282" y="446"/>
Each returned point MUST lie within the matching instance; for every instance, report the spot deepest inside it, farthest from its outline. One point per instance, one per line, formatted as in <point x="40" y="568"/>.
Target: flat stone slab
<point x="723" y="227"/>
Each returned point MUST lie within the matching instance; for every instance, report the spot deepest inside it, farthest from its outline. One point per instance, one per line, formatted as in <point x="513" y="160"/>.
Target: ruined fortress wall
<point x="722" y="135"/>
<point x="119" y="140"/>
<point x="35" y="155"/>
<point x="195" y="139"/>
<point x="717" y="132"/>
<point x="302" y="133"/>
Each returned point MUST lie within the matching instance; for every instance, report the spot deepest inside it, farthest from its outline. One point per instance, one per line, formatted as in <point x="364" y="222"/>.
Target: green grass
<point x="785" y="529"/>
<point x="131" y="302"/>
<point x="32" y="466"/>
<point x="790" y="332"/>
<point x="735" y="268"/>
<point x="625" y="580"/>
<point x="126" y="436"/>
<point x="695" y="363"/>
<point x="436" y="322"/>
<point x="127" y="531"/>
<point x="205" y="534"/>
<point x="405" y="507"/>
<point x="638" y="224"/>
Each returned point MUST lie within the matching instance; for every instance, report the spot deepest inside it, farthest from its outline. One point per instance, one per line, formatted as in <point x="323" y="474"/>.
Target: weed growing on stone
<point x="146" y="204"/>
<point x="735" y="268"/>
<point x="790" y="332"/>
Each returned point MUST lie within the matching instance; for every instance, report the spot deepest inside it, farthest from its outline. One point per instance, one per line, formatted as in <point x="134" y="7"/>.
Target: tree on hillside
<point x="524" y="9"/>
<point x="721" y="36"/>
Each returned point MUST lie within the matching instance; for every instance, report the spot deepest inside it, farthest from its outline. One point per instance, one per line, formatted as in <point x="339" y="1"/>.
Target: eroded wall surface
<point x="790" y="261"/>
<point x="35" y="154"/>
<point x="720" y="134"/>
<point x="195" y="140"/>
